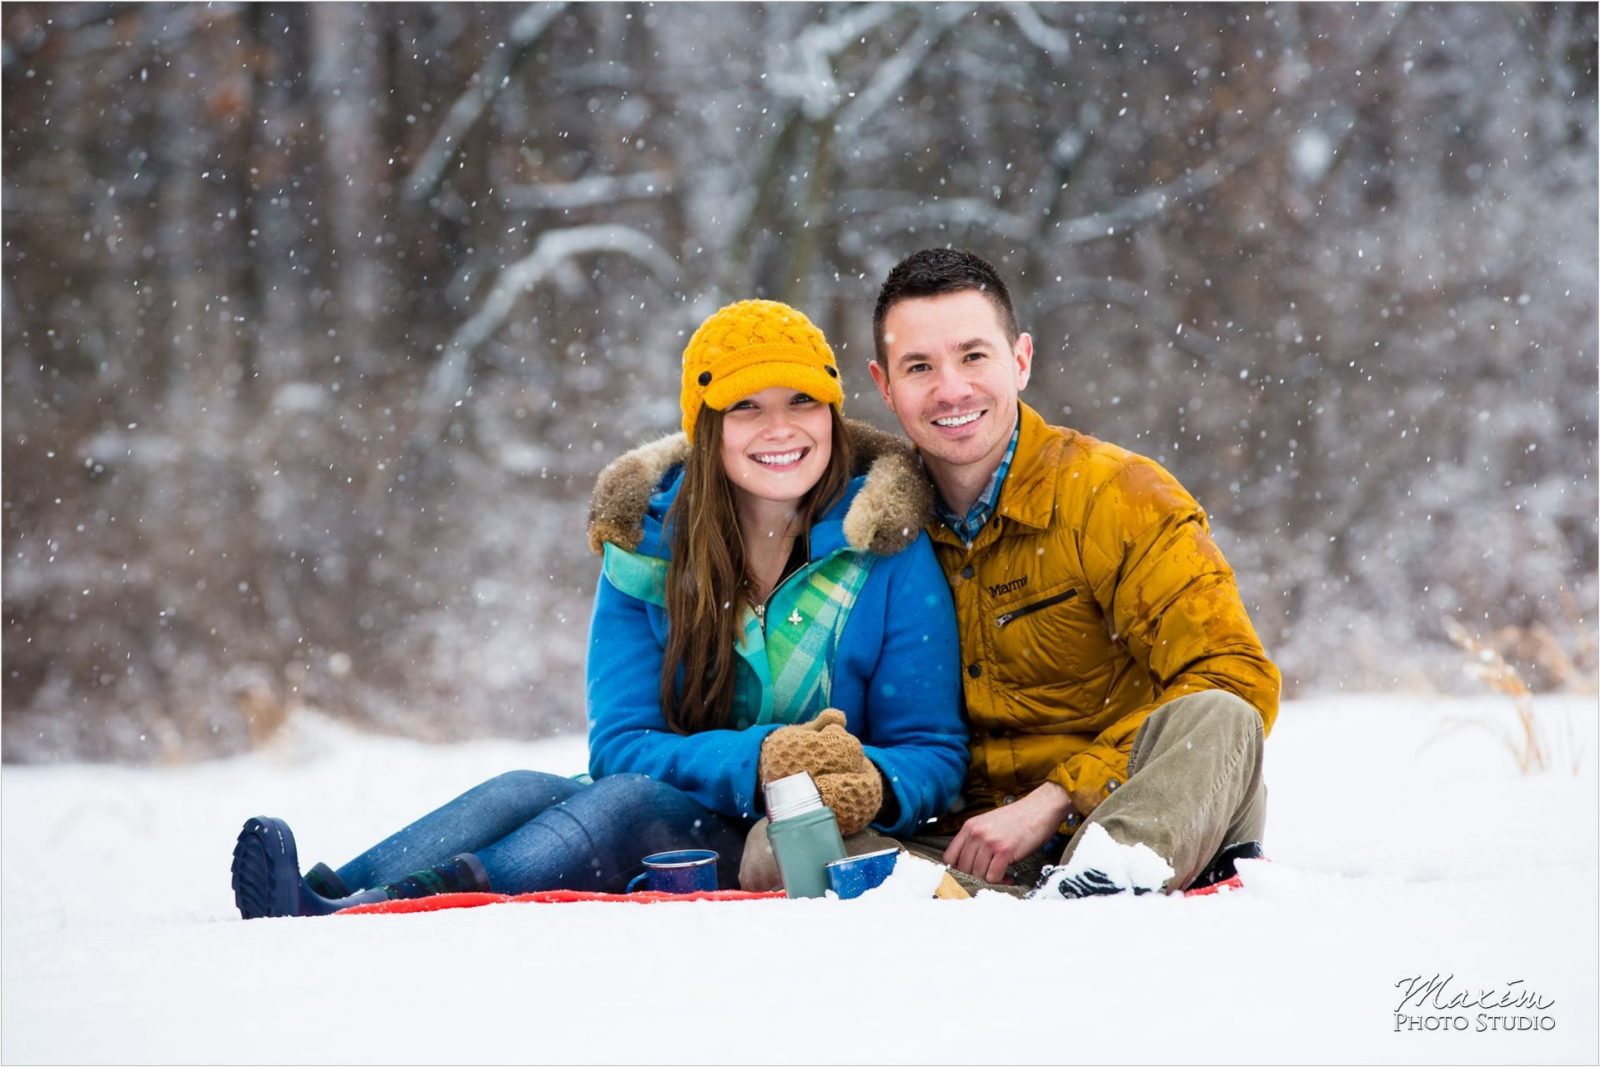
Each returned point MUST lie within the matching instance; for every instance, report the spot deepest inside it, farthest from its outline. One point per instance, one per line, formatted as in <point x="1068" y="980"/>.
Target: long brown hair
<point x="706" y="576"/>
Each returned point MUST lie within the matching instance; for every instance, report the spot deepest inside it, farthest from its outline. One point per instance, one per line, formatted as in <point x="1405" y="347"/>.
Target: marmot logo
<point x="1008" y="587"/>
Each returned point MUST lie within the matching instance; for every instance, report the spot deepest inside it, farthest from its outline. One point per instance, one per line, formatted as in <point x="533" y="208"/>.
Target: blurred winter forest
<point x="319" y="320"/>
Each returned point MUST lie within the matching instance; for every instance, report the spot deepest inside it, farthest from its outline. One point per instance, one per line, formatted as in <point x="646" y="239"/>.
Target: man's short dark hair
<point x="934" y="272"/>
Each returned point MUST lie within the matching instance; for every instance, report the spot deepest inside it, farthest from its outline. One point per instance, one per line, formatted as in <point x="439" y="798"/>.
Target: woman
<point x="777" y="615"/>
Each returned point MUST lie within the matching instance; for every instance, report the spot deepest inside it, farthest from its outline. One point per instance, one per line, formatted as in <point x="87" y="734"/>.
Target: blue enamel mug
<point x="686" y="870"/>
<point x="854" y="875"/>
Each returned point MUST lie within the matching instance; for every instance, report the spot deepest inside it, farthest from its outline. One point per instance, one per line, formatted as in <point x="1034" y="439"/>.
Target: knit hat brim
<point x="751" y="380"/>
<point x="764" y="373"/>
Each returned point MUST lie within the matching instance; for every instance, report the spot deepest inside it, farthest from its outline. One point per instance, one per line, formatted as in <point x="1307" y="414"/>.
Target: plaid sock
<point x="324" y="882"/>
<point x="460" y="874"/>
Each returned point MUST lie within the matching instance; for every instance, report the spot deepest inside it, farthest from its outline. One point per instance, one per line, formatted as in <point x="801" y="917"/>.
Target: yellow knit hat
<point x="751" y="346"/>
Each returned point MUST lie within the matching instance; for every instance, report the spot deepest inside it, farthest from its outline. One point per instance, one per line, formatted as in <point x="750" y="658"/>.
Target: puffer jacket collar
<point x="1029" y="493"/>
<point x="883" y="514"/>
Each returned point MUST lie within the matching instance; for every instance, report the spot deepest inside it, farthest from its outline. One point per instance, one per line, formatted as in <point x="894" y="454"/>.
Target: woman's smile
<point x="781" y="460"/>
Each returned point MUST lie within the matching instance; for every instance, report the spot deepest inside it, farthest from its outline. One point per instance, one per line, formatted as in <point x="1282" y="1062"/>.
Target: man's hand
<point x="991" y="842"/>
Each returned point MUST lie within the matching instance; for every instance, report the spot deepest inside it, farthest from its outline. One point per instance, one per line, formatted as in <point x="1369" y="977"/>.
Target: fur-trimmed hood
<point x="891" y="509"/>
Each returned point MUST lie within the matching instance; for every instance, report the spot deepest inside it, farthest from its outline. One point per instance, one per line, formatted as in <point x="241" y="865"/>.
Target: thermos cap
<point x="791" y="796"/>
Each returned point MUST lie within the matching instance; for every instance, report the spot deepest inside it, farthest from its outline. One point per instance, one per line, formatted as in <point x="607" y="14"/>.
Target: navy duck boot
<point x="266" y="876"/>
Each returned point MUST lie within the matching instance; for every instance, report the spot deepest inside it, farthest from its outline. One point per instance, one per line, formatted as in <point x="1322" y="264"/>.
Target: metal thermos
<point x="804" y="835"/>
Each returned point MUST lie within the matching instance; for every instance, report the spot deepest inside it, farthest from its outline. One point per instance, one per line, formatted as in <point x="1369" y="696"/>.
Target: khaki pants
<point x="1194" y="786"/>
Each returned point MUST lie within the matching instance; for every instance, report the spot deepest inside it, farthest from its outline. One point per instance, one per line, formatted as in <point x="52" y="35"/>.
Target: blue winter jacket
<point x="896" y="677"/>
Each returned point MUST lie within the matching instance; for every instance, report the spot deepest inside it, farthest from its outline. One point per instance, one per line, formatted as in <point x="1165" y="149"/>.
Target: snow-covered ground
<point x="1405" y="845"/>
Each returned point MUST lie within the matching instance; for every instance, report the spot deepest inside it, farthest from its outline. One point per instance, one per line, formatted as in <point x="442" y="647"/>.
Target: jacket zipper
<point x="761" y="608"/>
<point x="1039" y="605"/>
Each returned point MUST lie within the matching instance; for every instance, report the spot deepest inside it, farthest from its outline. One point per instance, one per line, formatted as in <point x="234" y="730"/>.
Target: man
<point x="1117" y="692"/>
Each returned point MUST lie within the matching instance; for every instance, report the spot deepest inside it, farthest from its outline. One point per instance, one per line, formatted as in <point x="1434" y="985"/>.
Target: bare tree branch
<point x="469" y="106"/>
<point x="1144" y="206"/>
<point x="892" y="76"/>
<point x="955" y="210"/>
<point x="809" y="79"/>
<point x="1071" y="145"/>
<point x="1147" y="306"/>
<point x="987" y="215"/>
<point x="67" y="19"/>
<point x="587" y="192"/>
<point x="1051" y="40"/>
<point x="448" y="381"/>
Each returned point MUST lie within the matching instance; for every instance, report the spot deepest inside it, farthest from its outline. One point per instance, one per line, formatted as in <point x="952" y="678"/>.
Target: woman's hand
<point x="853" y="796"/>
<point x="821" y="746"/>
<point x="848" y="781"/>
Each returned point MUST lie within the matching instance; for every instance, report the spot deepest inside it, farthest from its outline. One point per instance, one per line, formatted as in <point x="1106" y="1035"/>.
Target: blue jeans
<point x="536" y="831"/>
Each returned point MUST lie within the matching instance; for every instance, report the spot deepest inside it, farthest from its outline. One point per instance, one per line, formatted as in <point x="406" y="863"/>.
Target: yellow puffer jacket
<point x="1093" y="596"/>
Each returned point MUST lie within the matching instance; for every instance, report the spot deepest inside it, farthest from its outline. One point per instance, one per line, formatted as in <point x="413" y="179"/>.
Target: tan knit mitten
<point x="821" y="746"/>
<point x="854" y="796"/>
<point x="847" y="780"/>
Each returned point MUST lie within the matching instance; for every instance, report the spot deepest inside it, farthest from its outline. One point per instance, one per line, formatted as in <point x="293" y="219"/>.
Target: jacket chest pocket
<point x="1006" y="618"/>
<point x="1041" y="639"/>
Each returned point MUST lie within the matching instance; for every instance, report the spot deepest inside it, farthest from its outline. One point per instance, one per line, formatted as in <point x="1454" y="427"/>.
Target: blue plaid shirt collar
<point x="983" y="508"/>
